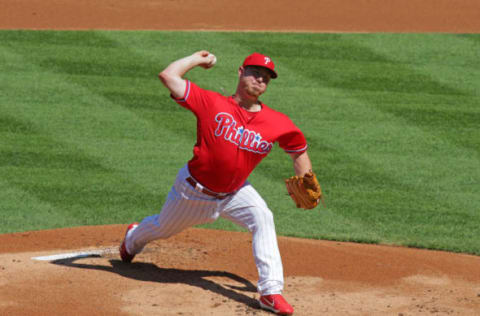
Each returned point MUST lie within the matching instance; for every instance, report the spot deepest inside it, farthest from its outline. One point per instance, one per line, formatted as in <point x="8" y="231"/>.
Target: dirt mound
<point x="210" y="272"/>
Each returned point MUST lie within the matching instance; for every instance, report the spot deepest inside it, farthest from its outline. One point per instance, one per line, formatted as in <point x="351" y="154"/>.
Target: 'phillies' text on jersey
<point x="245" y="139"/>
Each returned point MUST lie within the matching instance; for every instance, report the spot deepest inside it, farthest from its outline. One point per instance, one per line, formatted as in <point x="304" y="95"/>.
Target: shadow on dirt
<point x="151" y="273"/>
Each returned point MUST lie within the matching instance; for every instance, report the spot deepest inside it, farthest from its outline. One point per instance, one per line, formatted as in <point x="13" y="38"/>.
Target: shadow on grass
<point x="151" y="273"/>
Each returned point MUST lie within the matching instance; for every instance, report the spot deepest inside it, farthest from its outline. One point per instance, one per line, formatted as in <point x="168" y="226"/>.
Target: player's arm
<point x="172" y="76"/>
<point x="301" y="163"/>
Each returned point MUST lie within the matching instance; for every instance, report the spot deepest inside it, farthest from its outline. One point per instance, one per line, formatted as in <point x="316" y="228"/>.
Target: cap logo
<point x="267" y="60"/>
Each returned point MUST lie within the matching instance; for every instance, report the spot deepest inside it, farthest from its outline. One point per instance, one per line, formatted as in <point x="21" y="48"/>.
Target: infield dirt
<point x="207" y="272"/>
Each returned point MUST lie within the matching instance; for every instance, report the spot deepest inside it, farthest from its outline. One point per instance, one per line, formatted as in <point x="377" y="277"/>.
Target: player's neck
<point x="251" y="105"/>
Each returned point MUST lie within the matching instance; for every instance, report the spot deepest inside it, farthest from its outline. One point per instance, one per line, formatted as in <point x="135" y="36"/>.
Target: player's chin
<point x="254" y="96"/>
<point x="255" y="92"/>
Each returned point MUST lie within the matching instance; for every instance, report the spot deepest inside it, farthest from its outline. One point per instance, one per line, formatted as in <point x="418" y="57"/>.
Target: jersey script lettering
<point x="245" y="139"/>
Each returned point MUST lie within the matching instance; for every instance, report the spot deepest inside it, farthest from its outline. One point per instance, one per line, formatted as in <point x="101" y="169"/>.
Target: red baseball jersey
<point x="232" y="141"/>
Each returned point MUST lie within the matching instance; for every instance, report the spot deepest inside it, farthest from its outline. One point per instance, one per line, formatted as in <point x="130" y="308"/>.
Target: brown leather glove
<point x="305" y="191"/>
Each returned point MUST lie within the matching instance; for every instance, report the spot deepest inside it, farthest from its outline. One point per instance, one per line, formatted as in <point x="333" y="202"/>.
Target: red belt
<point x="197" y="186"/>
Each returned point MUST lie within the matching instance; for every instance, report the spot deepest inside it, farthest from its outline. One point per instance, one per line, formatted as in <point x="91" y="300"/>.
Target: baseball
<point x="214" y="59"/>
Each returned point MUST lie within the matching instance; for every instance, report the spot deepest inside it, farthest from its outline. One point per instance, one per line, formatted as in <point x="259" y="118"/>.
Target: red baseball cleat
<point x="276" y="303"/>
<point x="126" y="257"/>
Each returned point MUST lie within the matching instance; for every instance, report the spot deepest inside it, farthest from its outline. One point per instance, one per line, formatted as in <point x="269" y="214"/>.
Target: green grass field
<point x="89" y="135"/>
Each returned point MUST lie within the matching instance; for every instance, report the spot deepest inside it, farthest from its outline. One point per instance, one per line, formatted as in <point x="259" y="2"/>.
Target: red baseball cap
<point x="257" y="59"/>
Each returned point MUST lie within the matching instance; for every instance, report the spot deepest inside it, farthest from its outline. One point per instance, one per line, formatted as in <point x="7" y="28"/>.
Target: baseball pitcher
<point x="234" y="134"/>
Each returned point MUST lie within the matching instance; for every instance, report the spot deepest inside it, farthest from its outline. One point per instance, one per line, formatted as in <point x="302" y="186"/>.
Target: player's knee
<point x="268" y="216"/>
<point x="263" y="218"/>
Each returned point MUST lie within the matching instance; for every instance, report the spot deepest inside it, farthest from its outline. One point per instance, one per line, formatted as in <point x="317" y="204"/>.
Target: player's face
<point x="254" y="80"/>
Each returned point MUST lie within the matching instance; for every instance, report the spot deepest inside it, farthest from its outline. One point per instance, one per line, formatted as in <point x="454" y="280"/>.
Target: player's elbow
<point x="165" y="77"/>
<point x="173" y="82"/>
<point x="168" y="79"/>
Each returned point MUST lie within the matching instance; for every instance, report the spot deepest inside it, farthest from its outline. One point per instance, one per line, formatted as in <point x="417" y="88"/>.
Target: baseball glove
<point x="305" y="191"/>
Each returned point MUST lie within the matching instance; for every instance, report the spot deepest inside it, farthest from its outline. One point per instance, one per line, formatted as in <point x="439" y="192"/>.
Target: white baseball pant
<point x="185" y="207"/>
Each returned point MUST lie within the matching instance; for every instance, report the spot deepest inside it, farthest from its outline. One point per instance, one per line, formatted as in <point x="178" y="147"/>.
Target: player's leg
<point x="248" y="209"/>
<point x="183" y="208"/>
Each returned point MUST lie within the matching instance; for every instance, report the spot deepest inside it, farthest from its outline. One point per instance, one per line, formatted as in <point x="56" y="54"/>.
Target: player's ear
<point x="241" y="71"/>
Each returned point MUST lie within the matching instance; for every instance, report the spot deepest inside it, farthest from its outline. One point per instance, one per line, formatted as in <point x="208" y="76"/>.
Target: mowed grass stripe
<point x="452" y="59"/>
<point x="77" y="186"/>
<point x="114" y="77"/>
<point x="127" y="95"/>
<point x="20" y="211"/>
<point x="66" y="151"/>
<point x="456" y="64"/>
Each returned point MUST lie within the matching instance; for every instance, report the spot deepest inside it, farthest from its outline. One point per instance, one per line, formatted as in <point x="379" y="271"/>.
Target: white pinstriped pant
<point x="185" y="207"/>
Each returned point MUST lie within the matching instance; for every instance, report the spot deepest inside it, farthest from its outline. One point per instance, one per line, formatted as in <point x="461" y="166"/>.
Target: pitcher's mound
<point x="210" y="272"/>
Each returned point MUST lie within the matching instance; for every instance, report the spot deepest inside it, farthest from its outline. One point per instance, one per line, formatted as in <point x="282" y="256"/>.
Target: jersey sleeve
<point x="195" y="98"/>
<point x="292" y="139"/>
